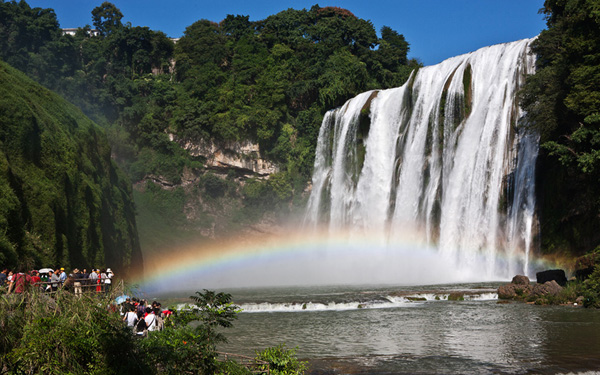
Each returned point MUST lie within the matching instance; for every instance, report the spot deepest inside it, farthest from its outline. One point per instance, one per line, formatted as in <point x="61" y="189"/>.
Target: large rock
<point x="548" y="288"/>
<point x="552" y="275"/>
<point x="243" y="156"/>
<point x="514" y="291"/>
<point x="520" y="280"/>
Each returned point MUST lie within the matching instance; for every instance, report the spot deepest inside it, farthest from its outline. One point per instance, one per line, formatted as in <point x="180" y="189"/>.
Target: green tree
<point x="107" y="18"/>
<point x="562" y="100"/>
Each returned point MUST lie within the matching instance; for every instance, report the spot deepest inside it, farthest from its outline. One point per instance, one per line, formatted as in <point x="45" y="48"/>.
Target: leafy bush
<point x="213" y="185"/>
<point x="282" y="361"/>
<point x="188" y="343"/>
<point x="591" y="289"/>
<point x="65" y="334"/>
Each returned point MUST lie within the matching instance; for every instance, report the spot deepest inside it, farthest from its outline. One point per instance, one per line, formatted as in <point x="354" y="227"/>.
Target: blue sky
<point x="435" y="29"/>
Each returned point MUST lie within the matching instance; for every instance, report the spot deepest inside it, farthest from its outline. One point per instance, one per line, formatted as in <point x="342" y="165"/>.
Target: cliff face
<point x="62" y="200"/>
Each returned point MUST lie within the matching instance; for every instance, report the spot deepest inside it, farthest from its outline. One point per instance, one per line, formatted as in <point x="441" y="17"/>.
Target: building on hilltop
<point x="73" y="31"/>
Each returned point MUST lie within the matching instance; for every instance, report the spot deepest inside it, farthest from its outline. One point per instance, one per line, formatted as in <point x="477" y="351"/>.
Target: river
<point x="416" y="330"/>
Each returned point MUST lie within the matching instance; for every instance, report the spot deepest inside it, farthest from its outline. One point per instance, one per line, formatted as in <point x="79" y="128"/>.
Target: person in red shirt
<point x="35" y="278"/>
<point x="20" y="282"/>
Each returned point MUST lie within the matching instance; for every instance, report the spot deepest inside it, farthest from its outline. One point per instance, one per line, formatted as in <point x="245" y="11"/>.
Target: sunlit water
<point x="391" y="330"/>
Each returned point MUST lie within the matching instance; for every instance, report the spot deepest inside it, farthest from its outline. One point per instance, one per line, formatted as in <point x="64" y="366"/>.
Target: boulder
<point x="514" y="291"/>
<point x="507" y="291"/>
<point x="548" y="288"/>
<point x="552" y="275"/>
<point x="583" y="274"/>
<point x="520" y="280"/>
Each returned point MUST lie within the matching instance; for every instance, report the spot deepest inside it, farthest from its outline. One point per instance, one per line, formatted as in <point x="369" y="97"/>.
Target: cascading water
<point x="440" y="159"/>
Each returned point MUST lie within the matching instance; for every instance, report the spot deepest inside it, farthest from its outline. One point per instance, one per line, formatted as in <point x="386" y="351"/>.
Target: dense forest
<point x="563" y="104"/>
<point x="63" y="201"/>
<point x="267" y="82"/>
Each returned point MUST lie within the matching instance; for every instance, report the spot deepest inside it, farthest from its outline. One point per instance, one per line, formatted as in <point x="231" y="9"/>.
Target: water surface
<point x="380" y="330"/>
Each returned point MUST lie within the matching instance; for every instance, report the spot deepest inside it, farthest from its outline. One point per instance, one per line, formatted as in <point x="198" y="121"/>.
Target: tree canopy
<point x="232" y="80"/>
<point x="562" y="100"/>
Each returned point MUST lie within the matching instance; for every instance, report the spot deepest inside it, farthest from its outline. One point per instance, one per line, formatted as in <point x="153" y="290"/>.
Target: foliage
<point x="268" y="81"/>
<point x="214" y="310"/>
<point x="63" y="200"/>
<point x="179" y="350"/>
<point x="65" y="334"/>
<point x="591" y="289"/>
<point x="188" y="342"/>
<point x="282" y="361"/>
<point x="562" y="100"/>
<point x="234" y="80"/>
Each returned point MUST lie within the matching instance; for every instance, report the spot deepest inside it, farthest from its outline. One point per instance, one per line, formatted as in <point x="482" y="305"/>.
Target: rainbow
<point x="296" y="258"/>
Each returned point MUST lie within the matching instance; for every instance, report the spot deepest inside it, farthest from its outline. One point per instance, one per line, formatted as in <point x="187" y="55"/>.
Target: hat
<point x="62" y="269"/>
<point x="108" y="270"/>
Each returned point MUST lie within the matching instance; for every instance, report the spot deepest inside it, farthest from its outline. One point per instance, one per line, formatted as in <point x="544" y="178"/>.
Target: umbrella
<point x="46" y="270"/>
<point x="120" y="299"/>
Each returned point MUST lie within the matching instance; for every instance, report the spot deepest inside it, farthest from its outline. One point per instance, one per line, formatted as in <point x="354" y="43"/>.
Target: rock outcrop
<point x="552" y="275"/>
<point x="243" y="156"/>
<point x="521" y="289"/>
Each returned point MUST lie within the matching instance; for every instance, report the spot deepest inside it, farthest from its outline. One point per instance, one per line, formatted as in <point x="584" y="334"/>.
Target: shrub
<point x="282" y="361"/>
<point x="66" y="334"/>
<point x="591" y="289"/>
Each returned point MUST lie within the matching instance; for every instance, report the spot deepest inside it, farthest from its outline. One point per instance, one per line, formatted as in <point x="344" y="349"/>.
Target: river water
<point x="416" y="330"/>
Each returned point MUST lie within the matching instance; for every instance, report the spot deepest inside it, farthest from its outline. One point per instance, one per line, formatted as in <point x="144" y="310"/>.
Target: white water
<point x="442" y="167"/>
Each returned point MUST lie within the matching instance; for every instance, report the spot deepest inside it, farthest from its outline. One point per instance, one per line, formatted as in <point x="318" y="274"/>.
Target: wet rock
<point x="520" y="280"/>
<point x="514" y="291"/>
<point x="548" y="288"/>
<point x="456" y="297"/>
<point x="552" y="275"/>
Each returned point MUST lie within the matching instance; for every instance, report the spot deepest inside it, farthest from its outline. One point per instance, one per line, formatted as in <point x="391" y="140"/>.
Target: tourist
<point x="77" y="281"/>
<point x="54" y="281"/>
<point x="99" y="281"/>
<point x="108" y="281"/>
<point x="35" y="278"/>
<point x="62" y="276"/>
<point x="131" y="318"/>
<point x="85" y="278"/>
<point x="141" y="309"/>
<point x="3" y="277"/>
<point x="18" y="283"/>
<point x="93" y="279"/>
<point x="9" y="280"/>
<point x="69" y="284"/>
<point x="103" y="277"/>
<point x="156" y="307"/>
<point x="151" y="320"/>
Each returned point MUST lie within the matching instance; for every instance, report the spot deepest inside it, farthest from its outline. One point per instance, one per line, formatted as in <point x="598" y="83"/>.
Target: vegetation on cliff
<point x="562" y="100"/>
<point x="268" y="81"/>
<point x="63" y="201"/>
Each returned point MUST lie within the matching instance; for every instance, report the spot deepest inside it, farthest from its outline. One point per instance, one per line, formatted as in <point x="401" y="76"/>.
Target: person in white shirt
<point x="151" y="320"/>
<point x="131" y="318"/>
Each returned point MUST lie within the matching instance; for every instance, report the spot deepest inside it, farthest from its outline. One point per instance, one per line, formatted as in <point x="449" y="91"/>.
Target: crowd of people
<point x="51" y="280"/>
<point x="140" y="316"/>
<point x="143" y="318"/>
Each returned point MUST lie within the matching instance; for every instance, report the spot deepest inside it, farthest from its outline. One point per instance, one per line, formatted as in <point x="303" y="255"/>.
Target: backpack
<point x="141" y="325"/>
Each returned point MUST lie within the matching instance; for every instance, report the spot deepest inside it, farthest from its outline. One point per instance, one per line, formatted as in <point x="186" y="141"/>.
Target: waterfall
<point x="440" y="160"/>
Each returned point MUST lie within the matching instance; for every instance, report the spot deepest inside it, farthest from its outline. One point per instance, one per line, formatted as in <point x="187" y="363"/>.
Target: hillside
<point x="62" y="200"/>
